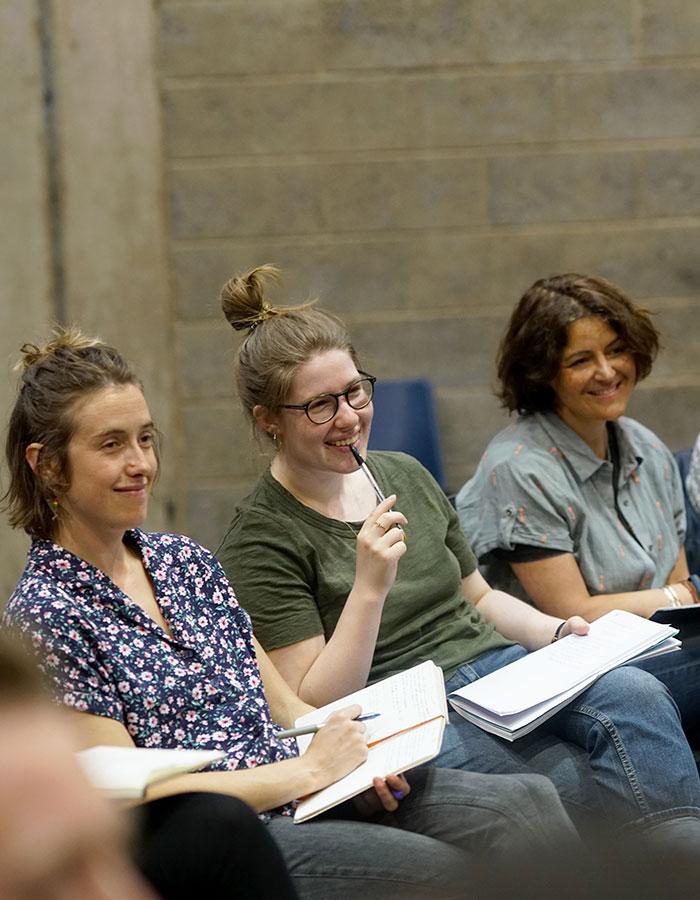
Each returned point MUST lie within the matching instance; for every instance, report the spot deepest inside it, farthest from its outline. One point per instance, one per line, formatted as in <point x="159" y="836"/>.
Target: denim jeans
<point x="680" y="672"/>
<point x="618" y="749"/>
<point x="424" y="849"/>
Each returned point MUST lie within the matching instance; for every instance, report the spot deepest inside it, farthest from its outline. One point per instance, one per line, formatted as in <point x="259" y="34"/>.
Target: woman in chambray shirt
<point x="574" y="506"/>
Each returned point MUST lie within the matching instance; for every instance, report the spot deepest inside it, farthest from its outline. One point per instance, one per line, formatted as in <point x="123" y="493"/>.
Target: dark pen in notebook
<point x="370" y="477"/>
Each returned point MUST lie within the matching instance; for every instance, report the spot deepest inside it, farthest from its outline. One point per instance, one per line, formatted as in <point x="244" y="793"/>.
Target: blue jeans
<point x="680" y="672"/>
<point x="428" y="846"/>
<point x="618" y="749"/>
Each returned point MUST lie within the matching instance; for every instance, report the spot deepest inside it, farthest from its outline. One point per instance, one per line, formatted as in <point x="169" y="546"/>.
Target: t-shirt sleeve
<point x="459" y="545"/>
<point x="67" y="651"/>
<point x="272" y="570"/>
<point x="516" y="503"/>
<point x="679" y="516"/>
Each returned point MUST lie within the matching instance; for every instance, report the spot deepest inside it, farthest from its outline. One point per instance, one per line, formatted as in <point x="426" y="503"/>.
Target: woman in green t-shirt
<point x="339" y="595"/>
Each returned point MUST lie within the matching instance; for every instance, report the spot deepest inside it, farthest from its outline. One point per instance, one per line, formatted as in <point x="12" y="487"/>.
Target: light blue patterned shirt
<point x="539" y="484"/>
<point x="692" y="482"/>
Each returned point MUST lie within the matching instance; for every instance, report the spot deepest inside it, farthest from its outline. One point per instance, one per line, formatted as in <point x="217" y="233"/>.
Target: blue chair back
<point x="692" y="537"/>
<point x="405" y="419"/>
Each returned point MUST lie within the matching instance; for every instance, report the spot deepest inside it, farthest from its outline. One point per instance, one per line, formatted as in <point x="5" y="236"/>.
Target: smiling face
<point x="311" y="449"/>
<point x="596" y="377"/>
<point x="111" y="463"/>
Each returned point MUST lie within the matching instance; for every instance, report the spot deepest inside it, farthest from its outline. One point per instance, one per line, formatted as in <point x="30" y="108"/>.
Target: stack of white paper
<point x="515" y="699"/>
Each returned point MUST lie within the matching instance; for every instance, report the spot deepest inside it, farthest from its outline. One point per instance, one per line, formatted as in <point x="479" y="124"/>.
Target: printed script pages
<point x="515" y="699"/>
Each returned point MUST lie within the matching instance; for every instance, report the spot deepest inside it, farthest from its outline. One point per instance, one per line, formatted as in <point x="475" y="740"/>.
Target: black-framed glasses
<point x="322" y="409"/>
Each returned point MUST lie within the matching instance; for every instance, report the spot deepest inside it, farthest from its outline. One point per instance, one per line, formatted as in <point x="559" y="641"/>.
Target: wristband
<point x="557" y="633"/>
<point x="692" y="589"/>
<point x="673" y="598"/>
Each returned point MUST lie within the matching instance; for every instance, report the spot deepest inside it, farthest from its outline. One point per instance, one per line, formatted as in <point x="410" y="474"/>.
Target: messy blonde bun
<point x="63" y="338"/>
<point x="243" y="298"/>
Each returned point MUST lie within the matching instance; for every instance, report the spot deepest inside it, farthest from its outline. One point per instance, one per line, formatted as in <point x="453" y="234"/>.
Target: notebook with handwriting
<point x="407" y="733"/>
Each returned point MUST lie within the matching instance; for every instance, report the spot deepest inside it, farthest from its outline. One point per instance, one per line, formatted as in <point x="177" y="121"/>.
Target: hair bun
<point x="243" y="297"/>
<point x="63" y="338"/>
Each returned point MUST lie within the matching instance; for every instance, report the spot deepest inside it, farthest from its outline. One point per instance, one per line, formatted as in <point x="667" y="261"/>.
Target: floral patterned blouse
<point x="104" y="655"/>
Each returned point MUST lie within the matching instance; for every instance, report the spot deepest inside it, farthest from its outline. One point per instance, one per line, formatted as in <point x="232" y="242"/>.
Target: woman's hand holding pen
<point x="385" y="794"/>
<point x="380" y="546"/>
<point x="339" y="747"/>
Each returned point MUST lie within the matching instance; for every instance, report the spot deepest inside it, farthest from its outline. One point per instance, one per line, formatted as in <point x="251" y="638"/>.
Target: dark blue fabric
<point x="405" y="419"/>
<point x="692" y="536"/>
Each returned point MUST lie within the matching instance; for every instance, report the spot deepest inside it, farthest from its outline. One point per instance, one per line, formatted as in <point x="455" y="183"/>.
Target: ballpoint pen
<point x="312" y="729"/>
<point x="370" y="477"/>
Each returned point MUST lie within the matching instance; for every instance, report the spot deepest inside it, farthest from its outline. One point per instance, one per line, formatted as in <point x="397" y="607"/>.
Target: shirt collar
<point x="72" y="571"/>
<point x="580" y="456"/>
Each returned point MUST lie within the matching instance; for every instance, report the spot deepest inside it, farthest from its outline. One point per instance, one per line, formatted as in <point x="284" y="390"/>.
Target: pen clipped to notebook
<point x="312" y="729"/>
<point x="370" y="477"/>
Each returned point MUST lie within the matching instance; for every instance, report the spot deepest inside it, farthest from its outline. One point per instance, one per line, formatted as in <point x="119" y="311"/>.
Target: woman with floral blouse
<point x="141" y="635"/>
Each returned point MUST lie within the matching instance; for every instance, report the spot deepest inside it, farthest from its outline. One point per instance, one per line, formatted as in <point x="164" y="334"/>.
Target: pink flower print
<point x="51" y="660"/>
<point x="169" y="681"/>
<point x="132" y="729"/>
<point x="220" y="736"/>
<point x="179" y="734"/>
<point x="164" y="709"/>
<point x="84" y="576"/>
<point x="62" y="564"/>
<point x="132" y="717"/>
<point x="202" y="621"/>
<point x="203" y="738"/>
<point x="191" y="715"/>
<point x="149" y="703"/>
<point x="153" y="721"/>
<point x="124" y="687"/>
<point x="58" y="604"/>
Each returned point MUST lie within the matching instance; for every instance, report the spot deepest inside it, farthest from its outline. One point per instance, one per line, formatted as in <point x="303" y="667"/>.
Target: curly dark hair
<point x="529" y="356"/>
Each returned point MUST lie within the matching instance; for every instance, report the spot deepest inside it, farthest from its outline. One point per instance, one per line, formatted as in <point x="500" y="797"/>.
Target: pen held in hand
<point x="312" y="729"/>
<point x="372" y="480"/>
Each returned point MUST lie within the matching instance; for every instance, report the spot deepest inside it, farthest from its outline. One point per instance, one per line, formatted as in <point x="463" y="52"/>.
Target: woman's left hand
<point x="574" y="625"/>
<point x="385" y="794"/>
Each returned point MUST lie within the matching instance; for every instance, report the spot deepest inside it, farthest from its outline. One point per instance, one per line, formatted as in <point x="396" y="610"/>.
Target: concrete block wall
<point x="417" y="164"/>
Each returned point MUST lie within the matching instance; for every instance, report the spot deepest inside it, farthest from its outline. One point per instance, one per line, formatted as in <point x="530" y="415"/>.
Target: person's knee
<point x="633" y="688"/>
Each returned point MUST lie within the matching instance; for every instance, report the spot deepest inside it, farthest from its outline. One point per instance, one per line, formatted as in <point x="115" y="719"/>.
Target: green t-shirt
<point x="293" y="568"/>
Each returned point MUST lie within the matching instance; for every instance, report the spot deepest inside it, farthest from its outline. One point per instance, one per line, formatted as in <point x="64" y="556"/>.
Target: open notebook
<point x="125" y="772"/>
<point x="407" y="733"/>
<point x="513" y="700"/>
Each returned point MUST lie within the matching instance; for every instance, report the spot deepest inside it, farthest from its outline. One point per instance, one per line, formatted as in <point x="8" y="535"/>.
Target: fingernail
<point x="397" y="794"/>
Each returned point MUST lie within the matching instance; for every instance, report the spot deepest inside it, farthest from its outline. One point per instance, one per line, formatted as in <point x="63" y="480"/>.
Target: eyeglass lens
<point x="358" y="396"/>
